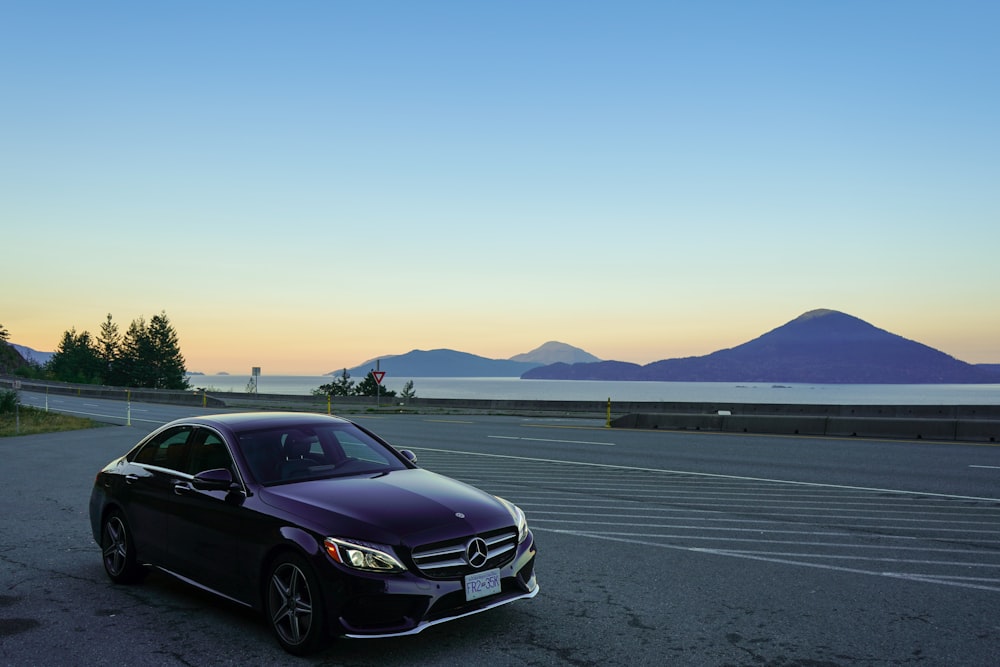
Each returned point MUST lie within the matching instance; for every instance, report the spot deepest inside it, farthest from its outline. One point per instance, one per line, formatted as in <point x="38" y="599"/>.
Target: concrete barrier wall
<point x="979" y="423"/>
<point x="770" y="409"/>
<point x="173" y="397"/>
<point x="975" y="430"/>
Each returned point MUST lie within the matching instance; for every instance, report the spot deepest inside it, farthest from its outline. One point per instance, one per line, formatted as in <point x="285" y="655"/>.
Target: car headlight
<point x="519" y="519"/>
<point x="366" y="557"/>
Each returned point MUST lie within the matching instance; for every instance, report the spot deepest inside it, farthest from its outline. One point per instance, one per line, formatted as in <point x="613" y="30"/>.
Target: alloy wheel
<point x="290" y="603"/>
<point x="115" y="546"/>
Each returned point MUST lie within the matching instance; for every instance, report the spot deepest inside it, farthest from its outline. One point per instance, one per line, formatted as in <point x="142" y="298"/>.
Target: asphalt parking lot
<point x="638" y="565"/>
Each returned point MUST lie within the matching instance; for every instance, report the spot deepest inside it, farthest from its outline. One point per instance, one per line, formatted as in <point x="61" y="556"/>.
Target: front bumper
<point x="408" y="604"/>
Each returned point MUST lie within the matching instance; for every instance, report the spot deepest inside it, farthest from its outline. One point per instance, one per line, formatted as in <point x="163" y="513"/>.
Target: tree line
<point x="345" y="386"/>
<point x="147" y="355"/>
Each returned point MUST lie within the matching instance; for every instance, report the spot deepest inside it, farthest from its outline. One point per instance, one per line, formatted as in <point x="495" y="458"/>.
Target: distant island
<point x="450" y="363"/>
<point x="821" y="346"/>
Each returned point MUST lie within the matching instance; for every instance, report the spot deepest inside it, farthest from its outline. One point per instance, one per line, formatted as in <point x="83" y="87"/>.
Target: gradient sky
<point x="303" y="186"/>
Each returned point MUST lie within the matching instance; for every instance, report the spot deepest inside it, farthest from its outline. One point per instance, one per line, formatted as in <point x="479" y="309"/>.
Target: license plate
<point x="481" y="584"/>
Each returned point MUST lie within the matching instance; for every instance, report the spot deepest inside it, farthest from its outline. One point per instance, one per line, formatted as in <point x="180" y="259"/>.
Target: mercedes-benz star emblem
<point x="476" y="552"/>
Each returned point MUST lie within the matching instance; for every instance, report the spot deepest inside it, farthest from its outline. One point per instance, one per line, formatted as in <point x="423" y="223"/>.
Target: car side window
<point x="263" y="453"/>
<point x="168" y="449"/>
<point x="209" y="452"/>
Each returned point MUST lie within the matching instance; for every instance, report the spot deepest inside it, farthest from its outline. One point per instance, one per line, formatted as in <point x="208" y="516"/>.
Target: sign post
<point x="378" y="375"/>
<point x="17" y="408"/>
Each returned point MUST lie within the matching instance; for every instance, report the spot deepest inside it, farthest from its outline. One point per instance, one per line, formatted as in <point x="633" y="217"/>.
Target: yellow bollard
<point x="608" y="423"/>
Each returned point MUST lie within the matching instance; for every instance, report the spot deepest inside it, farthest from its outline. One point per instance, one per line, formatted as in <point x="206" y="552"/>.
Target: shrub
<point x="8" y="401"/>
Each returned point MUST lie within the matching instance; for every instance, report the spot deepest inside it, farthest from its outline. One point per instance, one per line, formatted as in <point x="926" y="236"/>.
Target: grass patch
<point x="34" y="421"/>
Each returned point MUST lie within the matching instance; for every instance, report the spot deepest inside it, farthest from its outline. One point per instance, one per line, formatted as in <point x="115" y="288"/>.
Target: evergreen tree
<point x="76" y="359"/>
<point x="342" y="386"/>
<point x="135" y="355"/>
<point x="167" y="360"/>
<point x="10" y="359"/>
<point x="108" y="350"/>
<point x="147" y="356"/>
<point x="408" y="391"/>
<point x="369" y="387"/>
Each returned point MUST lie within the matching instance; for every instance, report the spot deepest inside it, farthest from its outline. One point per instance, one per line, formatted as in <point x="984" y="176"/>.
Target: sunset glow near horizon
<point x="304" y="187"/>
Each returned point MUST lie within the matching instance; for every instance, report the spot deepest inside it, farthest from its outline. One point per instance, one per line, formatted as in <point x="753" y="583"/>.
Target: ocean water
<point x="585" y="390"/>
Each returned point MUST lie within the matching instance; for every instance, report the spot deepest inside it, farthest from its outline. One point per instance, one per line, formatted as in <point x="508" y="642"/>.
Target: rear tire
<point x="118" y="551"/>
<point x="294" y="605"/>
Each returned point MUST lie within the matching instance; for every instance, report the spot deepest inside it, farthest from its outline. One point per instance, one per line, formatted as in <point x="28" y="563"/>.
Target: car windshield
<point x="313" y="451"/>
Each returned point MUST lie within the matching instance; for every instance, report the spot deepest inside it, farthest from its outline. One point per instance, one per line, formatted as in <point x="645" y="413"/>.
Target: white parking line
<point x="876" y="559"/>
<point x="773" y="518"/>
<point x="930" y="579"/>
<point x="705" y="475"/>
<point x="904" y="535"/>
<point x="568" y="442"/>
<point x="702" y="529"/>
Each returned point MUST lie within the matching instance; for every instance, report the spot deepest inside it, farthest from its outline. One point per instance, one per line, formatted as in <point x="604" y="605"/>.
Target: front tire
<point x="118" y="551"/>
<point x="294" y="605"/>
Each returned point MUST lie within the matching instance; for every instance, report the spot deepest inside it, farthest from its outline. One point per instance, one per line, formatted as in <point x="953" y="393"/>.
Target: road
<point x="654" y="548"/>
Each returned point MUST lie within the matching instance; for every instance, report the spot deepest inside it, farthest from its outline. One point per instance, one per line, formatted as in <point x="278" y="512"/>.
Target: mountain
<point x="601" y="370"/>
<point x="450" y="363"/>
<point x="821" y="346"/>
<point x="40" y="358"/>
<point x="555" y="352"/>
<point x="442" y="363"/>
<point x="10" y="358"/>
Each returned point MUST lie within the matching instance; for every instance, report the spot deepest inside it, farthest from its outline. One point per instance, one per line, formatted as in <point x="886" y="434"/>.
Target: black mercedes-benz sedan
<point x="313" y="520"/>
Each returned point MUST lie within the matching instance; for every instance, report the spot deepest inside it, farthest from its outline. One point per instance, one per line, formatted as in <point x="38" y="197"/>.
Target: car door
<point x="206" y="528"/>
<point x="148" y="493"/>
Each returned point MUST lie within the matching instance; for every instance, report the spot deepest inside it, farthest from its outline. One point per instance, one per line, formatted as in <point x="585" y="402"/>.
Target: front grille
<point x="446" y="560"/>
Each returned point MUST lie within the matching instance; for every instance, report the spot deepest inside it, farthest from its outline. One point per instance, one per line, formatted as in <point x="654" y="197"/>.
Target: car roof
<point x="239" y="421"/>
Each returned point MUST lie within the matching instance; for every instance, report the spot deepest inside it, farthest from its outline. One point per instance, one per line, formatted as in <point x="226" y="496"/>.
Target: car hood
<point x="412" y="506"/>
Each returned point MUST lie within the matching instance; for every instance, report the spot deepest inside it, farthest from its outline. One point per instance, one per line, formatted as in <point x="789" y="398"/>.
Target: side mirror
<point x="409" y="456"/>
<point x="218" y="479"/>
